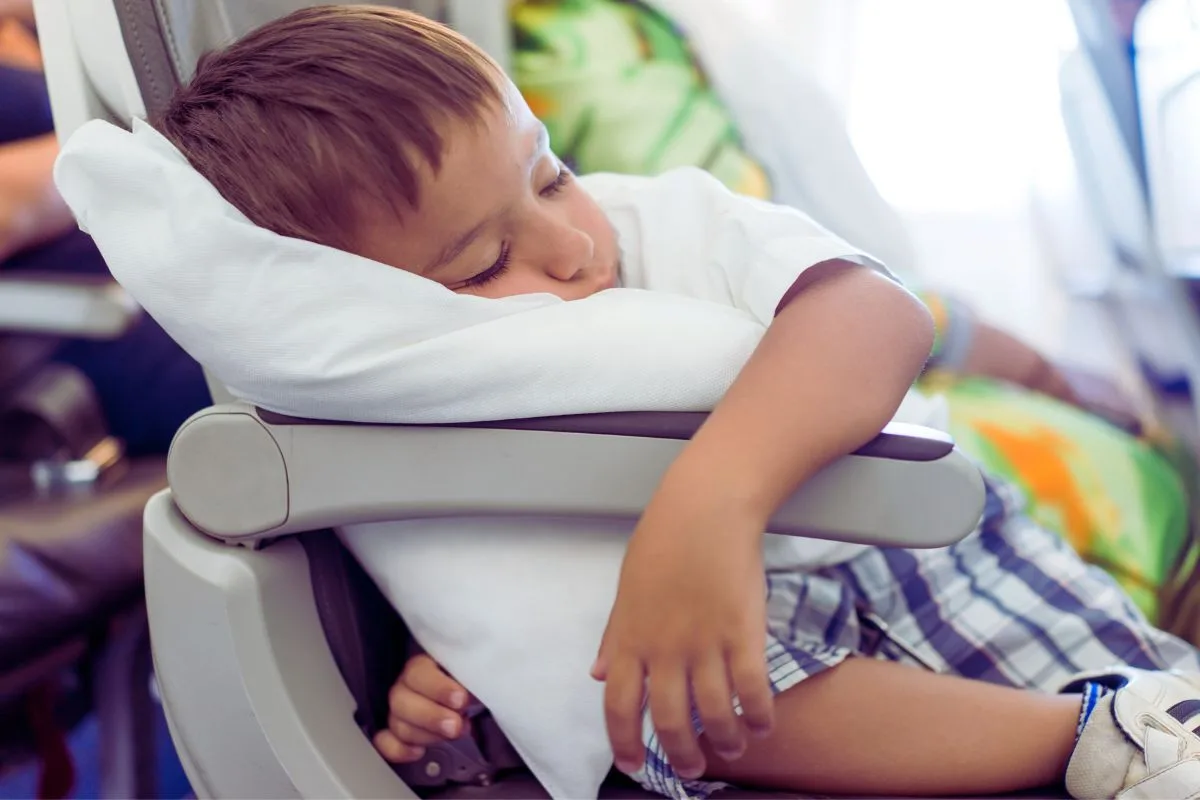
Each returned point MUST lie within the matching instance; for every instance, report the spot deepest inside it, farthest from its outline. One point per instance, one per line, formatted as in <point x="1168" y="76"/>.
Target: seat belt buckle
<point x="471" y="760"/>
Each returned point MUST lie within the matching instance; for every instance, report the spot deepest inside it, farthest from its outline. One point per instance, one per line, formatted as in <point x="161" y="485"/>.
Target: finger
<point x="411" y="735"/>
<point x="624" y="692"/>
<point x="714" y="700"/>
<point x="748" y="669"/>
<point x="599" y="669"/>
<point x="671" y="711"/>
<point x="425" y="677"/>
<point x="395" y="751"/>
<point x="408" y="706"/>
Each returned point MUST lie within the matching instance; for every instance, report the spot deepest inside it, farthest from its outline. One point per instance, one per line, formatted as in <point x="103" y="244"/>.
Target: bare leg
<point x="882" y="728"/>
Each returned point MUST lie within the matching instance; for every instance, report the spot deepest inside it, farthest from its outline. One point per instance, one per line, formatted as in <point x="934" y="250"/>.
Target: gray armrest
<point x="76" y="307"/>
<point x="240" y="474"/>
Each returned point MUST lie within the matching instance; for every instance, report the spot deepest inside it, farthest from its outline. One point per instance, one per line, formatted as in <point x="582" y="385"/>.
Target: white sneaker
<point x="1140" y="741"/>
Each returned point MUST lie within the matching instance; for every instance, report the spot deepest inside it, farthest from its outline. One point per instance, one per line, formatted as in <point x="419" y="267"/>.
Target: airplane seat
<point x="1167" y="41"/>
<point x="1143" y="290"/>
<point x="273" y="652"/>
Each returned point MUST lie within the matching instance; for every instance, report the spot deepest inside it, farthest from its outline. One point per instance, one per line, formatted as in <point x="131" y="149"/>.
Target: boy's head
<point x="379" y="132"/>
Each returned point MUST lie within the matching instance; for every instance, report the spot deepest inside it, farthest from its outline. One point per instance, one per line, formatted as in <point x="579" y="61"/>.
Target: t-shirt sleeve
<point x="684" y="232"/>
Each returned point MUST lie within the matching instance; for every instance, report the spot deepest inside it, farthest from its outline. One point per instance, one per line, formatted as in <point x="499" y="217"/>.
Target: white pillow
<point x="521" y="632"/>
<point x="312" y="331"/>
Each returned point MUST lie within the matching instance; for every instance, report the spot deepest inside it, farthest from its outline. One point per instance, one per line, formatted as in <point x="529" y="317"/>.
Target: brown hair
<point x="307" y="120"/>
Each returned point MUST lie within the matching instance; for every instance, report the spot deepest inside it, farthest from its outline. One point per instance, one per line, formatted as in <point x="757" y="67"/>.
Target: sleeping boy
<point x="389" y="136"/>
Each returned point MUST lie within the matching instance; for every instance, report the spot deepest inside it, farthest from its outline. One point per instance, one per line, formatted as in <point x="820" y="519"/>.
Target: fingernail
<point x="732" y="755"/>
<point x="458" y="700"/>
<point x="760" y="733"/>
<point x="690" y="773"/>
<point x="450" y="727"/>
<point x="626" y="766"/>
<point x="418" y="752"/>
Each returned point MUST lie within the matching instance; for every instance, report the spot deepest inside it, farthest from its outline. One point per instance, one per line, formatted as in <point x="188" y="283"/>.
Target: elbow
<point x="906" y="335"/>
<point x="920" y="330"/>
<point x="899" y="322"/>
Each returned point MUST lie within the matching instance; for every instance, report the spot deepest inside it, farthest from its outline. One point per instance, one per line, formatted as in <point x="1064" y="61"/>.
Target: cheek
<point x="589" y="218"/>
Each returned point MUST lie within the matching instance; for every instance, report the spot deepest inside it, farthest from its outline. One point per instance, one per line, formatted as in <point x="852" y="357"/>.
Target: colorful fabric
<point x="620" y="91"/>
<point x="1011" y="604"/>
<point x="954" y="328"/>
<point x="1118" y="500"/>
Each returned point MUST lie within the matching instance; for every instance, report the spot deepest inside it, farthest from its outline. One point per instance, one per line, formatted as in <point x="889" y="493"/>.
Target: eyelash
<point x="560" y="180"/>
<point x="501" y="266"/>
<point x="491" y="273"/>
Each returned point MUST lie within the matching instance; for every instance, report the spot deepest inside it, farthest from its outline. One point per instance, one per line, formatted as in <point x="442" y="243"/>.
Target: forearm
<point x="827" y="377"/>
<point x="18" y="47"/>
<point x="996" y="354"/>
<point x="31" y="210"/>
<point x="17" y="9"/>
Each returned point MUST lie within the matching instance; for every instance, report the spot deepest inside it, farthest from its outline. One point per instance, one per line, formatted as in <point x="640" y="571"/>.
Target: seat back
<point x="1153" y="307"/>
<point x="1168" y="78"/>
<point x="1104" y="46"/>
<point x="1104" y="166"/>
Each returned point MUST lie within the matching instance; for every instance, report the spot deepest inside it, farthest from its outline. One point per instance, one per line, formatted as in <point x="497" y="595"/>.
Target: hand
<point x="31" y="209"/>
<point x="1103" y="397"/>
<point x="1043" y="376"/>
<point x="425" y="707"/>
<point x="689" y="623"/>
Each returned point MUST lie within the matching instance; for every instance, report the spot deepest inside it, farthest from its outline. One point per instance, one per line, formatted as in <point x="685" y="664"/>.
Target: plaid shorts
<point x="1011" y="604"/>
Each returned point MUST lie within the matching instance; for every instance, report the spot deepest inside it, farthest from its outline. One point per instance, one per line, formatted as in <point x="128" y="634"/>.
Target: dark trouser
<point x="146" y="384"/>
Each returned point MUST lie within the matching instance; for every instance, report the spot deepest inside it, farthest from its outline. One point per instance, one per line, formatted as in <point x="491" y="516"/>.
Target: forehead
<point x="480" y="163"/>
<point x="484" y="167"/>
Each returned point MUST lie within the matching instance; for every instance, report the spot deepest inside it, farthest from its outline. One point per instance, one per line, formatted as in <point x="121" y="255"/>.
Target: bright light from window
<point x="953" y="103"/>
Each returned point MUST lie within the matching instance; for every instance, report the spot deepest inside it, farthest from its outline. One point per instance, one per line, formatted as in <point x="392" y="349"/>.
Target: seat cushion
<point x="68" y="563"/>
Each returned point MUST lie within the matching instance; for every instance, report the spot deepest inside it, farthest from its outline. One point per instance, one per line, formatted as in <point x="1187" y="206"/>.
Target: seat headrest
<point x="165" y="38"/>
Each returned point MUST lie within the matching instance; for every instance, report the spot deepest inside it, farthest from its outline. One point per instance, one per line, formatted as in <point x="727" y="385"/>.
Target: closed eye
<point x="491" y="273"/>
<point x="555" y="186"/>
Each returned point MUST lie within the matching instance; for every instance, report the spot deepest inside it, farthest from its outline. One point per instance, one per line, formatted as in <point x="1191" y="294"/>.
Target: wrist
<point x="720" y="488"/>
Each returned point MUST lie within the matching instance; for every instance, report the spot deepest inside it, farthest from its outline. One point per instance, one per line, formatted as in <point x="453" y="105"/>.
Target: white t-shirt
<point x="685" y="233"/>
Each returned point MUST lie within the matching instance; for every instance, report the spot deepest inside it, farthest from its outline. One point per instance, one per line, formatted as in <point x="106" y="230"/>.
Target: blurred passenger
<point x="146" y="384"/>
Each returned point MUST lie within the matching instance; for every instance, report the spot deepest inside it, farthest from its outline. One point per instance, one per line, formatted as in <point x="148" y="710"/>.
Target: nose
<point x="569" y="252"/>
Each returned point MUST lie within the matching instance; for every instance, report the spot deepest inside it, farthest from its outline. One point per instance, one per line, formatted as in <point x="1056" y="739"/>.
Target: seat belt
<point x="370" y="646"/>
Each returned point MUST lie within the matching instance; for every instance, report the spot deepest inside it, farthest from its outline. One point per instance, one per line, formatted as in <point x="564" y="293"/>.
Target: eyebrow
<point x="456" y="247"/>
<point x="464" y="240"/>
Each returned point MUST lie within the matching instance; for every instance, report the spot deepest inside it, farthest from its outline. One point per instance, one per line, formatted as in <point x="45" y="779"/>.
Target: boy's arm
<point x="31" y="210"/>
<point x="689" y="620"/>
<point x="830" y="373"/>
